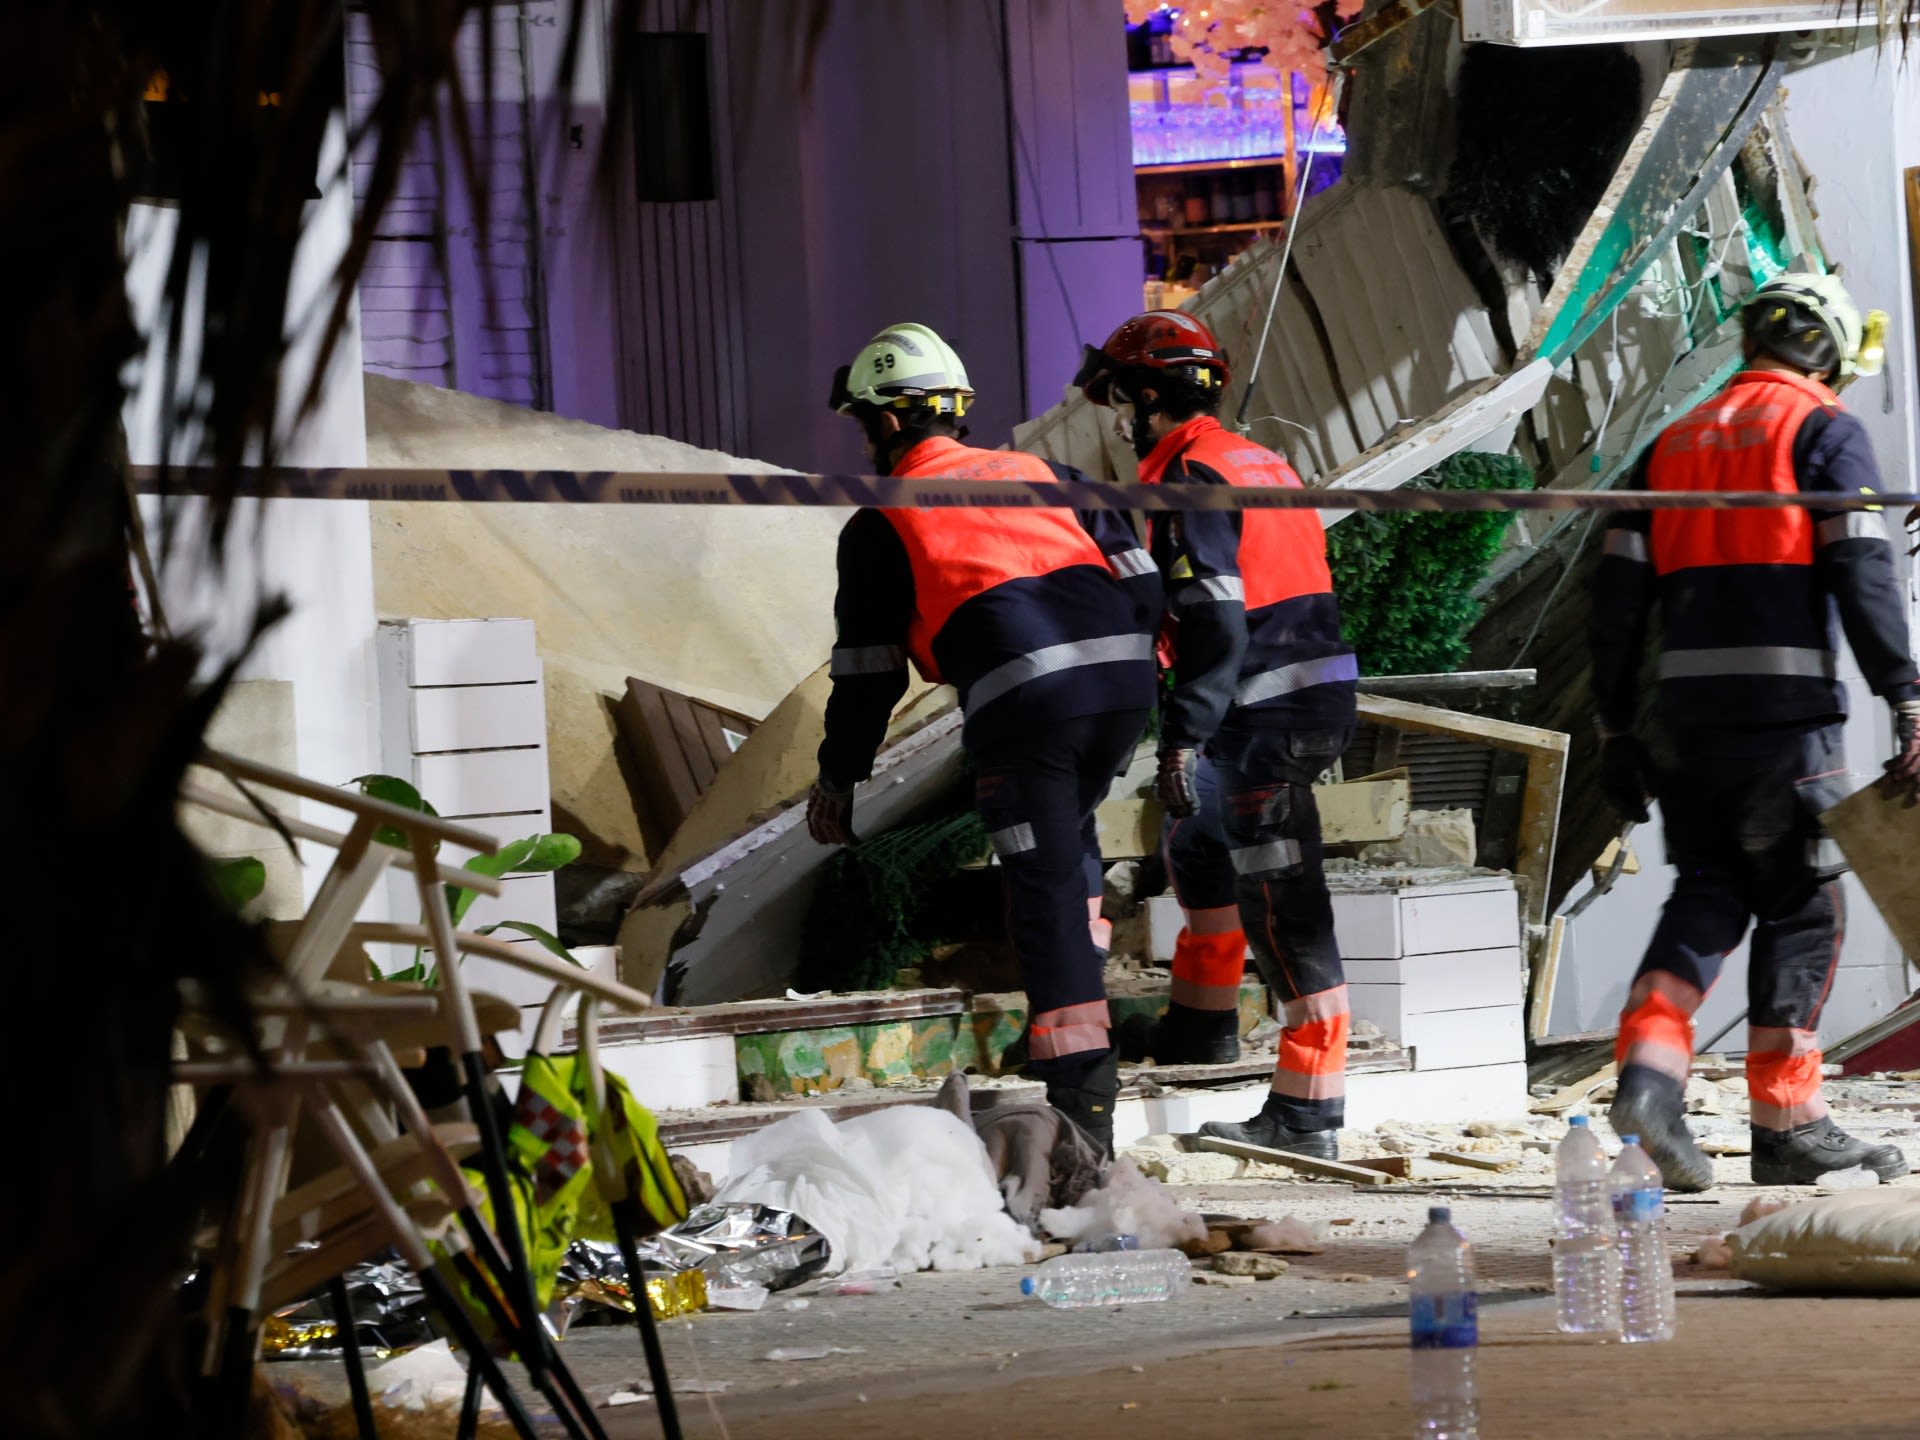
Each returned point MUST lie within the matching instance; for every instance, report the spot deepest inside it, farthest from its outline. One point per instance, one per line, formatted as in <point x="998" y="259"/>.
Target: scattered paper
<point x="736" y="1297"/>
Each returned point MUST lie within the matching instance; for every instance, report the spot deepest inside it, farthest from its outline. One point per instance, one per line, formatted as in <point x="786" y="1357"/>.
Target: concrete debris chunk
<point x="1703" y="1097"/>
<point x="1713" y="1253"/>
<point x="1286" y="1236"/>
<point x="1198" y="1169"/>
<point x="1246" y="1262"/>
<point x="1214" y="1242"/>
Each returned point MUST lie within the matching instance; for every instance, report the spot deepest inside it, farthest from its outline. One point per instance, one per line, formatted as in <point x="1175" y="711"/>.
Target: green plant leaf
<point x="545" y="939"/>
<point x="534" y="855"/>
<point x="395" y="791"/>
<point x="238" y="882"/>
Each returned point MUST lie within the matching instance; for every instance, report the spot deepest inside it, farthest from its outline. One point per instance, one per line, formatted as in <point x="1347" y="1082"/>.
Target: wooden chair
<point x="330" y="1052"/>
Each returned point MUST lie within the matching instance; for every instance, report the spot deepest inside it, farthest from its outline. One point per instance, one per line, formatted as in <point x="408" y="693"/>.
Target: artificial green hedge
<point x="860" y="925"/>
<point x="1405" y="580"/>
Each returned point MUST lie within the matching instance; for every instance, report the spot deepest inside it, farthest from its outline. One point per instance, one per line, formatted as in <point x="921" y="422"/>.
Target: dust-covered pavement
<point x="969" y="1349"/>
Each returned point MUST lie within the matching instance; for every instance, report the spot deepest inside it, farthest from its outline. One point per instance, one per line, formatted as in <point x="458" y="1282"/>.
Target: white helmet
<point x="905" y="367"/>
<point x="1823" y="299"/>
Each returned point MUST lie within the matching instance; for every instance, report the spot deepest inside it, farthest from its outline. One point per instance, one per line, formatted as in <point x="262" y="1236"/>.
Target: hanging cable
<point x="1332" y="100"/>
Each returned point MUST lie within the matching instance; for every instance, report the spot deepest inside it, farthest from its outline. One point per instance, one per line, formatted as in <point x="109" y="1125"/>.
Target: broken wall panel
<point x="1715" y="95"/>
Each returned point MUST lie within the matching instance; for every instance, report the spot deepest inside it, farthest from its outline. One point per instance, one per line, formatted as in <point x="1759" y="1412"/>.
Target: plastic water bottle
<point x="1114" y="1277"/>
<point x="1445" y="1331"/>
<point x="1646" y="1277"/>
<point x="1586" y="1260"/>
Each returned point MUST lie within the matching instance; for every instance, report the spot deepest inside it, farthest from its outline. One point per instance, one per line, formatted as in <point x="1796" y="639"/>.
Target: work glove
<point x="1903" y="770"/>
<point x="1174" y="784"/>
<point x="830" y="813"/>
<point x="1626" y="770"/>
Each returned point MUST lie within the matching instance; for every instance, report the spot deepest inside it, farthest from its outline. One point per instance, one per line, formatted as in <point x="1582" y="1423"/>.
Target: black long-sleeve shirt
<point x="874" y="610"/>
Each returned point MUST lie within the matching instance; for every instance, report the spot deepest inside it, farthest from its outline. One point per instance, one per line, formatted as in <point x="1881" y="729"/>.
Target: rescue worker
<point x="1752" y="711"/>
<point x="1263" y="683"/>
<point x="1049" y="644"/>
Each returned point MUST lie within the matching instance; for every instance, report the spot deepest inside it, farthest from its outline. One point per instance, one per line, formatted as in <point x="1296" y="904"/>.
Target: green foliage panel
<point x="1405" y="581"/>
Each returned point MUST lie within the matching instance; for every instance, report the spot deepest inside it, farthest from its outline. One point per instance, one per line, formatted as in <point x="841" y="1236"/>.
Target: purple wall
<point x="963" y="163"/>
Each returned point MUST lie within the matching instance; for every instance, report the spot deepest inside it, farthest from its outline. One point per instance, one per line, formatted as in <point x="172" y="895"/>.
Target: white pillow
<point x="1866" y="1241"/>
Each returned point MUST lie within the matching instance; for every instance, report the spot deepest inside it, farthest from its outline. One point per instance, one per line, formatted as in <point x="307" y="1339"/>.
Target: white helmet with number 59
<point x="904" y="367"/>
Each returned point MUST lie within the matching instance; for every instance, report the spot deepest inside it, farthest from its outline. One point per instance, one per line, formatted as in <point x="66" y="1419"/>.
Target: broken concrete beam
<point x="1129" y="827"/>
<point x="1359" y="812"/>
<point x="1327" y="1169"/>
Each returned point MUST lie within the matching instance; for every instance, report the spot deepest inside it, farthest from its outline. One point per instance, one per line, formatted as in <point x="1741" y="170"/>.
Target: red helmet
<point x="1166" y="340"/>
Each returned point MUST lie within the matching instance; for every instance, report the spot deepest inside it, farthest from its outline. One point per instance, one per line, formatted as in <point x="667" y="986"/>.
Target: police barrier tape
<point x="626" y="487"/>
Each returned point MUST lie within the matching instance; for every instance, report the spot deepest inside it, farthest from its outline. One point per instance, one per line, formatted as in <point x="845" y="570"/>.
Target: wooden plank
<point x="713" y="736"/>
<point x="649" y="729"/>
<point x="1471" y="1161"/>
<point x="1546" y="752"/>
<point x="1544" y="980"/>
<point x="1325" y="1169"/>
<point x="1913" y="240"/>
<point x="685" y="723"/>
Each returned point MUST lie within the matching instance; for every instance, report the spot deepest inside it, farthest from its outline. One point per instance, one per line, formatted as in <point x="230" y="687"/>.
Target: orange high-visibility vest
<point x="1742" y="439"/>
<point x="958" y="554"/>
<point x="1283" y="553"/>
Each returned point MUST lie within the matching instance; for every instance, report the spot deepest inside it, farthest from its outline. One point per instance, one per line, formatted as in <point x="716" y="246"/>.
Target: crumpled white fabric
<point x="908" y="1187"/>
<point x="1127" y="1203"/>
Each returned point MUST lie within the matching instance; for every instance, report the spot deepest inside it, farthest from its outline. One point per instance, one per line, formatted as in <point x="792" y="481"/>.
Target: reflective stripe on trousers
<point x="1130" y="564"/>
<point x="1069" y="1031"/>
<point x="1102" y="650"/>
<point x="1301" y="675"/>
<point x="1748" y="660"/>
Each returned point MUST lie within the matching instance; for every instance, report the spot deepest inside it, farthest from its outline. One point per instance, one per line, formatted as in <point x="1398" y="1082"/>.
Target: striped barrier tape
<point x="623" y="487"/>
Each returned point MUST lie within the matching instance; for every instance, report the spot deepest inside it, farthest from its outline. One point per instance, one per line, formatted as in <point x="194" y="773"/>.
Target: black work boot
<point x="1089" y="1101"/>
<point x="1808" y="1153"/>
<point x="1182" y="1036"/>
<point x="1653" y="1106"/>
<point x="1270" y="1129"/>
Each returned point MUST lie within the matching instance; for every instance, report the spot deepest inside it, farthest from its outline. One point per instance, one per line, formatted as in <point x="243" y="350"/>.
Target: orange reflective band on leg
<point x="1783" y="1077"/>
<point x="1217" y="959"/>
<point x="1070" y="1030"/>
<point x="1656" y="1030"/>
<point x="1312" y="1063"/>
<point x="1220" y="920"/>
